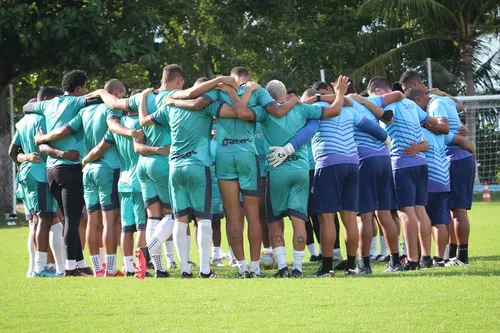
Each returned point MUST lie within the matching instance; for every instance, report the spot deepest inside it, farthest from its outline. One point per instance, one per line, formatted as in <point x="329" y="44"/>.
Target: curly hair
<point x="73" y="80"/>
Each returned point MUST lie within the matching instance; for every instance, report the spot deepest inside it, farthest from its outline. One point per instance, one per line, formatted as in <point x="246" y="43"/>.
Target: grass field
<point x="435" y="300"/>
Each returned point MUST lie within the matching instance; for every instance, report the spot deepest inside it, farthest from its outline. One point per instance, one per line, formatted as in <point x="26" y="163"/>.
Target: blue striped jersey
<point x="438" y="164"/>
<point x="405" y="130"/>
<point x="334" y="142"/>
<point x="368" y="145"/>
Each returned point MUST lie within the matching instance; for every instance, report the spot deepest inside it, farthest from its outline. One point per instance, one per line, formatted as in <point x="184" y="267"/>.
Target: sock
<point x="101" y="254"/>
<point x="70" y="265"/>
<point x="111" y="263"/>
<point x="374" y="247"/>
<point x="447" y="252"/>
<point x="215" y="253"/>
<point x="56" y="241"/>
<point x="188" y="247"/>
<point x="31" y="251"/>
<point x="180" y="242"/>
<point x="395" y="258"/>
<point x="280" y="256"/>
<point x="452" y="253"/>
<point x="366" y="261"/>
<point x="403" y="244"/>
<point x="158" y="262"/>
<point x="384" y="250"/>
<point x="312" y="249"/>
<point x="268" y="250"/>
<point x="161" y="233"/>
<point x="40" y="261"/>
<point x="96" y="263"/>
<point x="463" y="253"/>
<point x="337" y="254"/>
<point x="351" y="262"/>
<point x="129" y="263"/>
<point x="81" y="263"/>
<point x="242" y="266"/>
<point x="327" y="264"/>
<point x="298" y="258"/>
<point x="255" y="266"/>
<point x="231" y="255"/>
<point x="204" y="237"/>
<point x="150" y="227"/>
<point x="168" y="247"/>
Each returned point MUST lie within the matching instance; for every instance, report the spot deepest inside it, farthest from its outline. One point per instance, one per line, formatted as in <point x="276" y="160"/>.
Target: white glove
<point x="280" y="154"/>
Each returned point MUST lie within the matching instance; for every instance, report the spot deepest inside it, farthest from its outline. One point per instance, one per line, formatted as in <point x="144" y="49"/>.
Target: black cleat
<point x="254" y="275"/>
<point x="391" y="268"/>
<point x="282" y="273"/>
<point x="149" y="275"/>
<point x="129" y="274"/>
<point x="186" y="275"/>
<point x="402" y="259"/>
<point x="73" y="272"/>
<point x="341" y="266"/>
<point x="360" y="270"/>
<point x="426" y="263"/>
<point x="242" y="275"/>
<point x="411" y="266"/>
<point x="86" y="271"/>
<point x="161" y="275"/>
<point x="314" y="259"/>
<point x="321" y="274"/>
<point x="296" y="273"/>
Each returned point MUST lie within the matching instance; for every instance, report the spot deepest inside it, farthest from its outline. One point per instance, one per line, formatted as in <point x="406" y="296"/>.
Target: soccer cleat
<point x="426" y="263"/>
<point x="320" y="274"/>
<point x="100" y="273"/>
<point x="130" y="274"/>
<point x="411" y="266"/>
<point x="455" y="262"/>
<point x="296" y="273"/>
<point x="117" y="274"/>
<point x="391" y="268"/>
<point x="217" y="263"/>
<point x="242" y="275"/>
<point x="282" y="273"/>
<point x="402" y="259"/>
<point x="373" y="258"/>
<point x="253" y="275"/>
<point x="438" y="263"/>
<point x="314" y="259"/>
<point x="52" y="269"/>
<point x="191" y="264"/>
<point x="210" y="275"/>
<point x="149" y="275"/>
<point x="172" y="265"/>
<point x="341" y="266"/>
<point x="86" y="271"/>
<point x="44" y="273"/>
<point x="186" y="275"/>
<point x="59" y="275"/>
<point x="73" y="272"/>
<point x="161" y="275"/>
<point x="142" y="255"/>
<point x="382" y="258"/>
<point x="360" y="270"/>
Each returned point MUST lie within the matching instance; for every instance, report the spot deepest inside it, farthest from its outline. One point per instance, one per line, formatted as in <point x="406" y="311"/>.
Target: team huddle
<point x="228" y="148"/>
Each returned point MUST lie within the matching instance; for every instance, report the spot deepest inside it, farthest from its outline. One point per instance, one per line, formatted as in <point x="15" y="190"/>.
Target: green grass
<point x="435" y="300"/>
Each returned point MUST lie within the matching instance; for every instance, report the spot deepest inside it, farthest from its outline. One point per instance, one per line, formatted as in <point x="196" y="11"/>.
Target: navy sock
<point x="452" y="251"/>
<point x="351" y="262"/>
<point x="395" y="258"/>
<point x="327" y="263"/>
<point x="366" y="261"/>
<point x="463" y="253"/>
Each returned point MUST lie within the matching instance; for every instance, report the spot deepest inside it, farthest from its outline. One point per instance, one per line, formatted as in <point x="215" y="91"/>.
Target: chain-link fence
<point x="7" y="168"/>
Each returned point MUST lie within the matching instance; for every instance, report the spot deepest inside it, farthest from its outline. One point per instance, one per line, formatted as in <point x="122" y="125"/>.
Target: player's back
<point x="368" y="145"/>
<point x="27" y="128"/>
<point x="439" y="175"/>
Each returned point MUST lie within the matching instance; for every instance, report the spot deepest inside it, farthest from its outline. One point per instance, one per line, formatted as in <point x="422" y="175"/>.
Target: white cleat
<point x="217" y="263"/>
<point x="455" y="262"/>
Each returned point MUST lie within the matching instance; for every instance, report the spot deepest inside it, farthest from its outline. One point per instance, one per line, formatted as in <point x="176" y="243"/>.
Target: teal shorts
<point x="191" y="191"/>
<point x="133" y="212"/>
<point x="153" y="174"/>
<point x="100" y="189"/>
<point x="38" y="199"/>
<point x="242" y="167"/>
<point x="262" y="166"/>
<point x="287" y="194"/>
<point x="217" y="207"/>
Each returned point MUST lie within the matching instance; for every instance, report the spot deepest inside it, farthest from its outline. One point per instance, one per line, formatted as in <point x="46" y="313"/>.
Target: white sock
<point x="157" y="260"/>
<point x="150" y="228"/>
<point x="96" y="263"/>
<point x="298" y="258"/>
<point x="180" y="242"/>
<point x="374" y="247"/>
<point x="205" y="244"/>
<point x="242" y="266"/>
<point x="56" y="241"/>
<point x="81" y="263"/>
<point x="168" y="248"/>
<point x="337" y="254"/>
<point x="31" y="250"/>
<point x="312" y="249"/>
<point x="111" y="263"/>
<point x="403" y="244"/>
<point x="384" y="250"/>
<point x="268" y="250"/>
<point x="101" y="254"/>
<point x="215" y="253"/>
<point x="280" y="256"/>
<point x="40" y="261"/>
<point x="447" y="252"/>
<point x="70" y="265"/>
<point x="162" y="232"/>
<point x="189" y="247"/>
<point x="255" y="266"/>
<point x="129" y="263"/>
<point x="231" y="255"/>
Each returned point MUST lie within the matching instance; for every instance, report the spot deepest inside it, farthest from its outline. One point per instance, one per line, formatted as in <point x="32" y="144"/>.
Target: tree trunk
<point x="6" y="188"/>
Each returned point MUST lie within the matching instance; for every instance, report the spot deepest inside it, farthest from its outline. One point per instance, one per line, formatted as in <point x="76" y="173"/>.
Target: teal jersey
<point x="279" y="131"/>
<point x="58" y="112"/>
<point x="128" y="182"/>
<point x="26" y="129"/>
<point x="213" y="151"/>
<point x="259" y="97"/>
<point x="260" y="142"/>
<point x="159" y="135"/>
<point x="191" y="132"/>
<point x="93" y="121"/>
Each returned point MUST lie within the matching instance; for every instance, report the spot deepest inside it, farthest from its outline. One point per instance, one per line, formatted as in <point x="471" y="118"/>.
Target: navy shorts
<point x="411" y="186"/>
<point x="437" y="207"/>
<point x="376" y="185"/>
<point x="462" y="174"/>
<point x="335" y="188"/>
